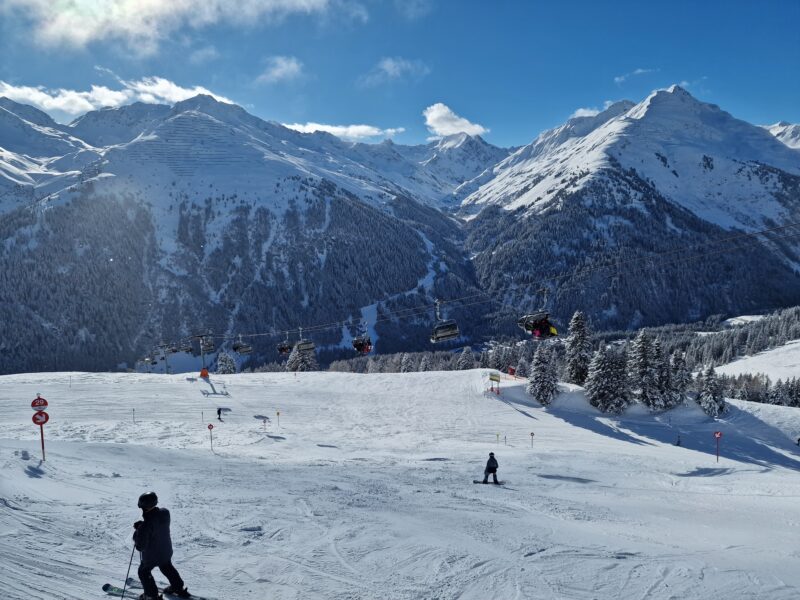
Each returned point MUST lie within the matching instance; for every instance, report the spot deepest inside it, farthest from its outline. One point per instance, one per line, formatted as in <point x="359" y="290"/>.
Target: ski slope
<point x="364" y="490"/>
<point x="779" y="363"/>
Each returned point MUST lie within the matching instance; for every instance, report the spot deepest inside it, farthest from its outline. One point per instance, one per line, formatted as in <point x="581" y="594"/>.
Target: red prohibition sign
<point x="210" y="426"/>
<point x="39" y="404"/>
<point x="40" y="418"/>
<point x="717" y="434"/>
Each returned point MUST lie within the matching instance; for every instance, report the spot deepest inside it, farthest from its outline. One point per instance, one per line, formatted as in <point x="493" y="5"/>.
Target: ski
<point x="488" y="482"/>
<point x="113" y="590"/>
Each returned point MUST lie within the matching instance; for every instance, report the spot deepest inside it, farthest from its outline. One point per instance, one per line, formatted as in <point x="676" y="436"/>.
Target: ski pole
<point x="125" y="585"/>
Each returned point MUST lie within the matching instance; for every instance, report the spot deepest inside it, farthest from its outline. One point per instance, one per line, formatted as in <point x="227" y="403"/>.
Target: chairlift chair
<point x="304" y="345"/>
<point x="241" y="347"/>
<point x="538" y="325"/>
<point x="444" y="330"/>
<point x="362" y="344"/>
<point x="206" y="345"/>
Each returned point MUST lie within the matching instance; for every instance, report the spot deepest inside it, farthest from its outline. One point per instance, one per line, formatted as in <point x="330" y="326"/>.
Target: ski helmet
<point x="491" y="453"/>
<point x="148" y="500"/>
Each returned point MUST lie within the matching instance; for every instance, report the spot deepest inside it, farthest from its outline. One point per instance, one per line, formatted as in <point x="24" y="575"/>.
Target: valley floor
<point x="364" y="490"/>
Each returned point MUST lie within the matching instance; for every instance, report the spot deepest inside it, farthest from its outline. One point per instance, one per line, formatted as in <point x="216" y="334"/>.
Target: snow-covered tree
<point x="681" y="378"/>
<point x="542" y="384"/>
<point x="406" y="363"/>
<point x="496" y="358"/>
<point x="522" y="369"/>
<point x="300" y="361"/>
<point x="579" y="349"/>
<point x="466" y="360"/>
<point x="710" y="399"/>
<point x="483" y="362"/>
<point x="225" y="364"/>
<point x="642" y="372"/>
<point x="425" y="363"/>
<point x="605" y="382"/>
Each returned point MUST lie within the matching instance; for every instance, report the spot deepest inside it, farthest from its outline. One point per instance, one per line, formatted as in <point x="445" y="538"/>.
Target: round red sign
<point x="717" y="434"/>
<point x="40" y="418"/>
<point x="39" y="404"/>
<point x="210" y="426"/>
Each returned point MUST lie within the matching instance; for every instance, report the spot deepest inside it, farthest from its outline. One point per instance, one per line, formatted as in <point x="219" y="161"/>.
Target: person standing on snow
<point x="491" y="467"/>
<point x="151" y="537"/>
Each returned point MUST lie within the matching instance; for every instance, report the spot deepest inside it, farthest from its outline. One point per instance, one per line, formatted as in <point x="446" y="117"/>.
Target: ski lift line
<point x="654" y="260"/>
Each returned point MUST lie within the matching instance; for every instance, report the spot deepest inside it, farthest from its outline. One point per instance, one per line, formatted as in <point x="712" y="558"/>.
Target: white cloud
<point x="348" y="132"/>
<point x="395" y="68"/>
<point x="68" y="103"/>
<point x="203" y="55"/>
<point x="624" y="77"/>
<point x="143" y="24"/>
<point x="441" y="120"/>
<point x="413" y="9"/>
<point x="281" y="68"/>
<point x="590" y="111"/>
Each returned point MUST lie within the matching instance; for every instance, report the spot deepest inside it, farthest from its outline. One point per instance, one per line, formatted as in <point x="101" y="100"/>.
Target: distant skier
<point x="151" y="537"/>
<point x="491" y="467"/>
<point x="678" y="441"/>
<point x="219" y="414"/>
<point x="798" y="441"/>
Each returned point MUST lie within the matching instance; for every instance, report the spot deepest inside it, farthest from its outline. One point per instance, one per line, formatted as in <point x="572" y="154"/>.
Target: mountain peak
<point x="27" y="112"/>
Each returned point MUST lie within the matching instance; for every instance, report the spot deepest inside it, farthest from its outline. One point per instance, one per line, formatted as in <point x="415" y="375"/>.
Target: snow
<point x="779" y="363"/>
<point x="742" y="320"/>
<point x="364" y="490"/>
<point x="788" y="133"/>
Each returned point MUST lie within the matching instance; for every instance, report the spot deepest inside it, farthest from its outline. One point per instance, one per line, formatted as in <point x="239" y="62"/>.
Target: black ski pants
<point x="149" y="584"/>
<point x="486" y="475"/>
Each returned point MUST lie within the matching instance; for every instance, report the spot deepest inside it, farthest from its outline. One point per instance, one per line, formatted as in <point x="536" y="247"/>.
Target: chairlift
<point x="187" y="347"/>
<point x="538" y="323"/>
<point x="206" y="345"/>
<point x="444" y="330"/>
<point x="362" y="344"/>
<point x="303" y="345"/>
<point x="241" y="347"/>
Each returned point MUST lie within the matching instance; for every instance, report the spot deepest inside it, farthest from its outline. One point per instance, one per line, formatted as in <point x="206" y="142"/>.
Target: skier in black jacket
<point x="491" y="467"/>
<point x="152" y="539"/>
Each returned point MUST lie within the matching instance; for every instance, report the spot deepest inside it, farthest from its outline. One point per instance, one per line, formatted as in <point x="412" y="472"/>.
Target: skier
<point x="219" y="414"/>
<point x="491" y="467"/>
<point x="152" y="539"/>
<point x="678" y="441"/>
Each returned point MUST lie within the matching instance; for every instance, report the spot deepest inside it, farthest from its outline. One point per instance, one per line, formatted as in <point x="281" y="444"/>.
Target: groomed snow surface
<point x="365" y="490"/>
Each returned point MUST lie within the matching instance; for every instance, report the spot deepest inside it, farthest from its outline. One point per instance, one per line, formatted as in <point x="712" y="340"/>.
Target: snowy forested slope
<point x="364" y="490"/>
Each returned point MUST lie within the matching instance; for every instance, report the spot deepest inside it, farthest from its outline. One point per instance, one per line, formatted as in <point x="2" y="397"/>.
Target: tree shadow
<point x="745" y="438"/>
<point x="568" y="478"/>
<point x="705" y="472"/>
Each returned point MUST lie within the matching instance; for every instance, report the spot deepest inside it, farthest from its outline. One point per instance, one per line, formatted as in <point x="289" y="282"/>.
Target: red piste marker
<point x="717" y="436"/>
<point x="211" y="435"/>
<point x="40" y="418"/>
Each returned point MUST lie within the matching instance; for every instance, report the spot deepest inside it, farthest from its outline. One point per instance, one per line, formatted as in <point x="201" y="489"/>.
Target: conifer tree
<point x="710" y="398"/>
<point x="605" y="388"/>
<point x="225" y="364"/>
<point x="466" y="360"/>
<point x="425" y="363"/>
<point x="579" y="349"/>
<point x="680" y="376"/>
<point x="406" y="364"/>
<point x="522" y="369"/>
<point x="642" y="372"/>
<point x="542" y="384"/>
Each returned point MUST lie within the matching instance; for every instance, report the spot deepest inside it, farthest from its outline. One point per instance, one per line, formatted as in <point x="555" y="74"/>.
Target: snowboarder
<point x="219" y="414"/>
<point x="491" y="467"/>
<point x="151" y="537"/>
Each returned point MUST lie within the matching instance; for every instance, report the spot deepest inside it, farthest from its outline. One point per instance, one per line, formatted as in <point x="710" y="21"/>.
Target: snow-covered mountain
<point x="148" y="222"/>
<point x="787" y="133"/>
<point x="668" y="175"/>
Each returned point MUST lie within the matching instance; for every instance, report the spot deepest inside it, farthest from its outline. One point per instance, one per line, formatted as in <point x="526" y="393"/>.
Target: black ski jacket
<point x="152" y="537"/>
<point x="491" y="465"/>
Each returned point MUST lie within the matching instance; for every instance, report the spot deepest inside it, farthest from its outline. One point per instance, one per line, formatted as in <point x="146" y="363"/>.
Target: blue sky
<point x="409" y="69"/>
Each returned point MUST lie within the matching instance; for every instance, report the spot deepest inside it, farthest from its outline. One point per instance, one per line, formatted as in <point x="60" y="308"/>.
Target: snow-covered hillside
<point x="780" y="363"/>
<point x="363" y="490"/>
